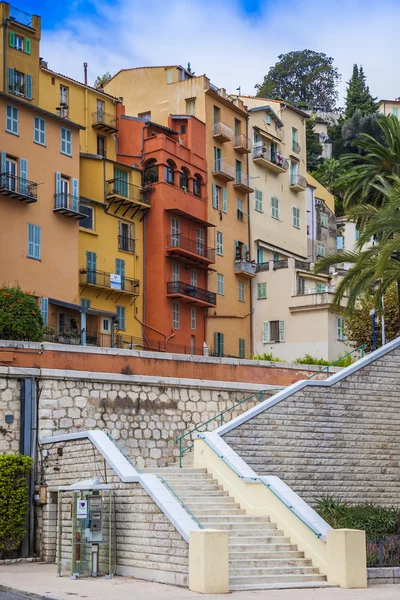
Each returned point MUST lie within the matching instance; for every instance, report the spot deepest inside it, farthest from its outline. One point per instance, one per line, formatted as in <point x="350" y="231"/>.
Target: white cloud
<point x="219" y="39"/>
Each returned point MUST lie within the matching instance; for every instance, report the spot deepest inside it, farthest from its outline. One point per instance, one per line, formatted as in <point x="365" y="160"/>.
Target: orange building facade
<point x="178" y="245"/>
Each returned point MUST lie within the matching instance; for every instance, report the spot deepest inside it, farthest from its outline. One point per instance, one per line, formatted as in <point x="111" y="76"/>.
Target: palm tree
<point x="368" y="174"/>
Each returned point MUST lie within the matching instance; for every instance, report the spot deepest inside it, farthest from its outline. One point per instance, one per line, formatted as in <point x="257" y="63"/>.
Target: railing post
<point x="260" y="397"/>
<point x="180" y="453"/>
<point x="327" y="372"/>
<point x="221" y="419"/>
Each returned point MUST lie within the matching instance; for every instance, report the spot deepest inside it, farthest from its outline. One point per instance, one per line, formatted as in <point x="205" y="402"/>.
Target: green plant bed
<point x="308" y="359"/>
<point x="270" y="357"/>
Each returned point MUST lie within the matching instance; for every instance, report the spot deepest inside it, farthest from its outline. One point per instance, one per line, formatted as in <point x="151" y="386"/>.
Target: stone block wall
<point x="9" y="405"/>
<point x="342" y="440"/>
<point x="148" y="546"/>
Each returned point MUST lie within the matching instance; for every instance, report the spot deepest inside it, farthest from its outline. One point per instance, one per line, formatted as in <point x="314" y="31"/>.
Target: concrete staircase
<point x="260" y="556"/>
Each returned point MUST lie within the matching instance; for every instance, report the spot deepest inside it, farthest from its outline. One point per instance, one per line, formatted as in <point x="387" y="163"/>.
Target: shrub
<point x="266" y="356"/>
<point x="307" y="359"/>
<point x="20" y="317"/>
<point x="378" y="522"/>
<point x="14" y="502"/>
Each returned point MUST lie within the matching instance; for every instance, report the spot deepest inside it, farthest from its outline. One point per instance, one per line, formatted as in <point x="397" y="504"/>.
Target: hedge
<point x="20" y="317"/>
<point x="14" y="501"/>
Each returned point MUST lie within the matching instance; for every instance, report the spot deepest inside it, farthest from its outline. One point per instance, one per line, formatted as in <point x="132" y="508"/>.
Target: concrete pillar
<point x="347" y="558"/>
<point x="208" y="561"/>
<point x="83" y="328"/>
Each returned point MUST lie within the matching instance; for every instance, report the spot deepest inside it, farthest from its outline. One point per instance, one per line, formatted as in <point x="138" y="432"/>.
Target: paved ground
<point x="37" y="580"/>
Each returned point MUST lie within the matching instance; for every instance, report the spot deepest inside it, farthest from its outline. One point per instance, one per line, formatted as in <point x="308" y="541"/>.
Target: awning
<point x="82" y="309"/>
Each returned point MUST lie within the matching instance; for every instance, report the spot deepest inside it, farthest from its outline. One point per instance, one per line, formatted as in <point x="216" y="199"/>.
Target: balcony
<point x="21" y="17"/>
<point x="243" y="144"/>
<point x="296" y="147"/>
<point x="189" y="251"/>
<point x="242" y="183"/>
<point x="245" y="268"/>
<point x="104" y="122"/>
<point x="302" y="264"/>
<point x="191" y="294"/>
<point x="298" y="183"/>
<point x="274" y="161"/>
<point x="67" y="205"/>
<point x="222" y="132"/>
<point x="18" y="188"/>
<point x="125" y="199"/>
<point x="108" y="282"/>
<point x="223" y="170"/>
<point x="126" y="244"/>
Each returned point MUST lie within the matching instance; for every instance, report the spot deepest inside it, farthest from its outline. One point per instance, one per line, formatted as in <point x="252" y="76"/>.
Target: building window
<point x="175" y="232"/>
<point x="357" y="234"/>
<point x="18" y="42"/>
<point x="12" y="119"/>
<point x="295" y="143"/>
<point x="340" y="242"/>
<point x="220" y="284"/>
<point x="274" y="207"/>
<point x="85" y="302"/>
<point x="220" y="243"/>
<point x="101" y="145"/>
<point x="395" y="112"/>
<point x="66" y="141"/>
<point x="150" y="173"/>
<point x="267" y="119"/>
<point x="242" y="348"/>
<point x="88" y="221"/>
<point x="220" y="198"/>
<point x="34" y="241"/>
<point x="259" y="200"/>
<point x="320" y="250"/>
<point x="184" y="179"/>
<point x="39" y="131"/>
<point x="63" y="96"/>
<point x="340" y="328"/>
<point x="197" y="186"/>
<point x="191" y="106"/>
<point x="193" y="318"/>
<point x="276" y="331"/>
<point x="44" y="309"/>
<point x="106" y="325"/>
<point x="176" y="272"/>
<point x="126" y="241"/>
<point x="321" y="288"/>
<point x="296" y="217"/>
<point x="121" y="316"/>
<point x="192" y="344"/>
<point x="239" y="209"/>
<point x="169" y="76"/>
<point x="146" y="116"/>
<point x="169" y="172"/>
<point x="261" y="291"/>
<point x="91" y="267"/>
<point x="182" y="129"/>
<point x="241" y="291"/>
<point x="193" y="277"/>
<point x="200" y="248"/>
<point x="324" y="220"/>
<point x="175" y="315"/>
<point x="218" y="344"/>
<point x="276" y="256"/>
<point x="300" y="286"/>
<point x="120" y="270"/>
<point x="238" y="170"/>
<point x="260" y="255"/>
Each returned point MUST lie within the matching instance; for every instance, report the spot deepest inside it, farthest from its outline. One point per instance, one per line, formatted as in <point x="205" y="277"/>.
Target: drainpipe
<point x="144" y="270"/>
<point x="28" y="442"/>
<point x="250" y="243"/>
<point x="4" y="56"/>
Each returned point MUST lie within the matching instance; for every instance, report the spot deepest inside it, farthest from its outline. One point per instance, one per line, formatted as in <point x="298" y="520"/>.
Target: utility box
<point x="86" y="539"/>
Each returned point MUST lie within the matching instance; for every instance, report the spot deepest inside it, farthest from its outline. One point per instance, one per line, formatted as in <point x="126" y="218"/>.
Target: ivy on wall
<point x="14" y="501"/>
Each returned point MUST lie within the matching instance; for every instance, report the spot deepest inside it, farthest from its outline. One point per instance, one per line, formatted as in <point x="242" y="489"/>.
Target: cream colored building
<point x="389" y="107"/>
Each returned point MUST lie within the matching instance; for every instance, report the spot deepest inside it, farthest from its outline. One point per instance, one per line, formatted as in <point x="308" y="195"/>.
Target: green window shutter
<point x="265" y="332"/>
<point x="27" y="45"/>
<point x="10" y="80"/>
<point x="28" y="87"/>
<point x="12" y="39"/>
<point x="58" y="189"/>
<point x="121" y="314"/>
<point x="91" y="260"/>
<point x="261" y="291"/>
<point x="214" y="196"/>
<point x="75" y="194"/>
<point x="224" y="200"/>
<point x="281" y="331"/>
<point x="3" y="162"/>
<point x="120" y="270"/>
<point x="23" y="170"/>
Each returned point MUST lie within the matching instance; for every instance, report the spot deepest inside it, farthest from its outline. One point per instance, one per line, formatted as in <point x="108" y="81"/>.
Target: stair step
<point x="264" y="555"/>
<point x="265" y="579"/>
<point x="266" y="563"/>
<point x="211" y="500"/>
<point x="238" y="519"/>
<point x="190" y="477"/>
<point x="273" y="570"/>
<point x="244" y="528"/>
<point x="244" y="532"/>
<point x="164" y="471"/>
<point x="189" y="486"/>
<point x="282" y="586"/>
<point x="223" y="511"/>
<point x="199" y="494"/>
<point x="227" y="503"/>
<point x="249" y="545"/>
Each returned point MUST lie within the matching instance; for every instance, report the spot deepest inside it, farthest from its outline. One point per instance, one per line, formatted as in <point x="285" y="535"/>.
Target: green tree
<point x="314" y="148"/>
<point x="20" y="317"/>
<point x="329" y="175"/>
<point x="358" y="96"/>
<point x="14" y="502"/>
<point x="302" y="77"/>
<point x="102" y="80"/>
<point x="346" y="134"/>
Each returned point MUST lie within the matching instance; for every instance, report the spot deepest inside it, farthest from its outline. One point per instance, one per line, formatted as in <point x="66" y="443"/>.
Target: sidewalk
<point x="39" y="580"/>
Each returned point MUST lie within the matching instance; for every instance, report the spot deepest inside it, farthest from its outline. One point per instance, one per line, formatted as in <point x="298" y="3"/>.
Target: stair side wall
<point x="342" y="440"/>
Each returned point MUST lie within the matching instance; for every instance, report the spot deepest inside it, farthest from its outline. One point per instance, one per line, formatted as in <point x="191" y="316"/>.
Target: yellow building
<point x="155" y="93"/>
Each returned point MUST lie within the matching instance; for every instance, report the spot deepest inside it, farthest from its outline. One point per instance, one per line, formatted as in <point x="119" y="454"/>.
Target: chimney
<point x="85" y="72"/>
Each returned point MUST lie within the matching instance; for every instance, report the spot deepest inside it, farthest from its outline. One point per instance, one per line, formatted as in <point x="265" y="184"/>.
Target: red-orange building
<point x="178" y="242"/>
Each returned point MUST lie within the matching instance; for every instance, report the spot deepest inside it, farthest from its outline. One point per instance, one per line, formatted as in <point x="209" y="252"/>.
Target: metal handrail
<point x="130" y="461"/>
<point x="267" y="485"/>
<point x="176" y="240"/>
<point x="221" y="419"/>
<point x="362" y="348"/>
<point x="18" y="185"/>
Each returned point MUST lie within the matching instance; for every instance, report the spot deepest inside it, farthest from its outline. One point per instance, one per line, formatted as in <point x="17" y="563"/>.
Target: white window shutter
<point x="224" y="200"/>
<point x="265" y="332"/>
<point x="281" y="331"/>
<point x="214" y="196"/>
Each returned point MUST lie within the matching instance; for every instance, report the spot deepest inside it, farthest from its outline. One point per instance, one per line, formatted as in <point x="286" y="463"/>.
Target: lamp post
<point x="373" y="315"/>
<point x="396" y="256"/>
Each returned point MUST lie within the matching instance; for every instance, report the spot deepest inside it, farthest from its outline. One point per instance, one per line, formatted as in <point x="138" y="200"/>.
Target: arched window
<point x="197" y="185"/>
<point x="150" y="173"/>
<point x="184" y="179"/>
<point x="169" y="172"/>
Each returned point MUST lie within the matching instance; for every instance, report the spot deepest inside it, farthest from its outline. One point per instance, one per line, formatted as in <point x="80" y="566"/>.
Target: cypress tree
<point x="358" y="95"/>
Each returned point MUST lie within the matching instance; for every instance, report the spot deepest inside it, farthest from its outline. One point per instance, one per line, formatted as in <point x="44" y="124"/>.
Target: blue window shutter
<point x="91" y="260"/>
<point x="31" y="240"/>
<point x="23" y="169"/>
<point x="224" y="200"/>
<point x="10" y="80"/>
<point x="58" y="188"/>
<point x="3" y="162"/>
<point x="75" y="194"/>
<point x="12" y="39"/>
<point x="44" y="309"/>
<point x="214" y="196"/>
<point x="28" y="87"/>
<point x="27" y="45"/>
<point x="37" y="241"/>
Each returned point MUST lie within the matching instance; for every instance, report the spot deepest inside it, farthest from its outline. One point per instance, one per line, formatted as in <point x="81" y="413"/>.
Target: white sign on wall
<point x="81" y="509"/>
<point x="115" y="281"/>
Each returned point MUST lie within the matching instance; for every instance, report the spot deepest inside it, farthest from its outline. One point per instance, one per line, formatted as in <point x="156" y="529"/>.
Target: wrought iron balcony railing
<point x="185" y="289"/>
<point x="302" y="264"/>
<point x="18" y="187"/>
<point x="266" y="153"/>
<point x="126" y="244"/>
<point x="67" y="204"/>
<point x="119" y="187"/>
<point x="194" y="246"/>
<point x="104" y="280"/>
<point x="103" y="120"/>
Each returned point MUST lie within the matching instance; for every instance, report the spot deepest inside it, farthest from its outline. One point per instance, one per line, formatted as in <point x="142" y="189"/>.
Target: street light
<point x="373" y="315"/>
<point x="396" y="256"/>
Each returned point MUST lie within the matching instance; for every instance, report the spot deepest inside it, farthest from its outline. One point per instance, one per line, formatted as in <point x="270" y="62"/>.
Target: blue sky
<point x="233" y="41"/>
